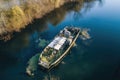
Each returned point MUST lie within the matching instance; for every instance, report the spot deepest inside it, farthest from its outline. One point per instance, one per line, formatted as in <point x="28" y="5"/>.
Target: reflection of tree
<point x="21" y="40"/>
<point x="83" y="7"/>
<point x="56" y="16"/>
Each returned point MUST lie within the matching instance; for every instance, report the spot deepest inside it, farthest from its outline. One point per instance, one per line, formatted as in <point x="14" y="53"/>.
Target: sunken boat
<point x="56" y="50"/>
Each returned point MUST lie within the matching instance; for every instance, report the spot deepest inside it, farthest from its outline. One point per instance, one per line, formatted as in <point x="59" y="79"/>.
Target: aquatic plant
<point x="84" y="34"/>
<point x="43" y="43"/>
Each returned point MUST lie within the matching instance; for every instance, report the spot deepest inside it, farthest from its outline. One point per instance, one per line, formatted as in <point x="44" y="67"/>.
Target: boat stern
<point x="44" y="64"/>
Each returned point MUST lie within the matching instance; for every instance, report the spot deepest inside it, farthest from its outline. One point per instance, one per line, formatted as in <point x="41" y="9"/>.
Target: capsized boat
<point x="56" y="50"/>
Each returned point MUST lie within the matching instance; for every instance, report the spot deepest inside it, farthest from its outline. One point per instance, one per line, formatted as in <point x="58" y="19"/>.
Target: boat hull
<point x="56" y="62"/>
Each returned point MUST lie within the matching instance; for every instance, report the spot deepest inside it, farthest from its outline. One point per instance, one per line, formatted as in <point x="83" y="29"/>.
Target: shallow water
<point x="94" y="59"/>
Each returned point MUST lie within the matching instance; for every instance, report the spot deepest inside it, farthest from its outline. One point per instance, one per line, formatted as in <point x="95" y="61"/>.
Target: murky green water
<point x="94" y="59"/>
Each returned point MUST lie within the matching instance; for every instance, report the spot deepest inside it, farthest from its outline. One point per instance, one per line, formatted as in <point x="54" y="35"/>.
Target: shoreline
<point x="18" y="17"/>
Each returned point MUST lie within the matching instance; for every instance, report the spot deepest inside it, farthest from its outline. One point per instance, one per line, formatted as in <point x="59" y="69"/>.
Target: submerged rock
<point x="32" y="65"/>
<point x="63" y="62"/>
<point x="29" y="72"/>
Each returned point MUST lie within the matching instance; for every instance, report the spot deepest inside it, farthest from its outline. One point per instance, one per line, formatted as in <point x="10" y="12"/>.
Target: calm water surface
<point x="94" y="59"/>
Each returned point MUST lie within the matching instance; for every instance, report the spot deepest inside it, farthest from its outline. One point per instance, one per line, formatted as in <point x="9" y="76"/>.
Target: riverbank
<point x="16" y="15"/>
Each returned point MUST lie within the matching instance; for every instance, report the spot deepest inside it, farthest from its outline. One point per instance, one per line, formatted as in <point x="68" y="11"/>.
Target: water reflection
<point x="51" y="77"/>
<point x="84" y="68"/>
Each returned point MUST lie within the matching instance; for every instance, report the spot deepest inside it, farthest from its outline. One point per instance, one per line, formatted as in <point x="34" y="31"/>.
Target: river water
<point x="95" y="59"/>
